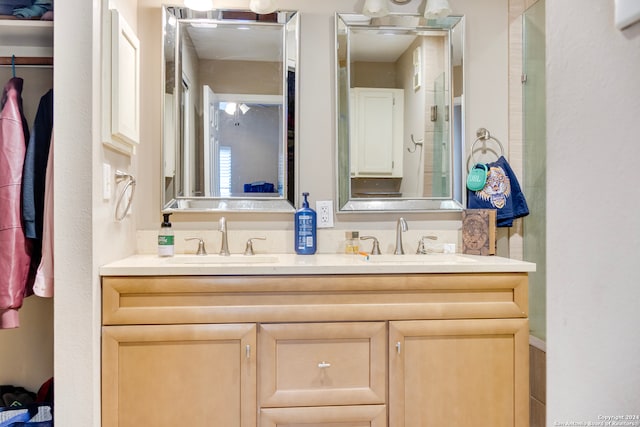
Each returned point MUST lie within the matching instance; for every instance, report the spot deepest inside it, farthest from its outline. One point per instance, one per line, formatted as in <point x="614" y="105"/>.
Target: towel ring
<point x="484" y="135"/>
<point x="130" y="183"/>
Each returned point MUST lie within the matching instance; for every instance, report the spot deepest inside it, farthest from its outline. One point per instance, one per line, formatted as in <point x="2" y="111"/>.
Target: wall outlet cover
<point x="324" y="212"/>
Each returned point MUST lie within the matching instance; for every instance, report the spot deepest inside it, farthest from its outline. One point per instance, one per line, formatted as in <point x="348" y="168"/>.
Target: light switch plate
<point x="324" y="212"/>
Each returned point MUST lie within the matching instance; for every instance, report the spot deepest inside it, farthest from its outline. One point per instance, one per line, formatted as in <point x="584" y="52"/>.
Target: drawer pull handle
<point x="247" y="351"/>
<point x="398" y="345"/>
<point x="323" y="365"/>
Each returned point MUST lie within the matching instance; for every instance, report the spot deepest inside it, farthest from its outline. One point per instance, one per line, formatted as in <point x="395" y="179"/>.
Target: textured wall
<point x="593" y="229"/>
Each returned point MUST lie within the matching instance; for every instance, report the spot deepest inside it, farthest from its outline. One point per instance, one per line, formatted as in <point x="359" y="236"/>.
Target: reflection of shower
<point x="440" y="179"/>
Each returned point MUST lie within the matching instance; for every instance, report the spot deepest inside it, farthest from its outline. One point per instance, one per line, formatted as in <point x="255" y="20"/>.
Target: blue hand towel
<point x="501" y="192"/>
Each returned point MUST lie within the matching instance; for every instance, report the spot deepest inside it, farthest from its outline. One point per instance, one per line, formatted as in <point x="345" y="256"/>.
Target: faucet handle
<point x="422" y="249"/>
<point x="248" y="250"/>
<point x="375" y="249"/>
<point x="201" y="249"/>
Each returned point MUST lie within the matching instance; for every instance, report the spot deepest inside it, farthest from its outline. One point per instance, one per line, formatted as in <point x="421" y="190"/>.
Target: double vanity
<point x="321" y="340"/>
<point x="327" y="340"/>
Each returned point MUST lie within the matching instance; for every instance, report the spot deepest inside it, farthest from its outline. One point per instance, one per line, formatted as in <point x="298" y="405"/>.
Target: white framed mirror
<point x="400" y="113"/>
<point x="230" y="110"/>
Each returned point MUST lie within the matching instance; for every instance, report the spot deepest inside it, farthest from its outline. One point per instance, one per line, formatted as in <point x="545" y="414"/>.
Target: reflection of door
<point x="210" y="140"/>
<point x="377" y="129"/>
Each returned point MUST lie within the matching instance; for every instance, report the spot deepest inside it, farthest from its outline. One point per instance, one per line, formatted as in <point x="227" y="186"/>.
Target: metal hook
<point x="415" y="144"/>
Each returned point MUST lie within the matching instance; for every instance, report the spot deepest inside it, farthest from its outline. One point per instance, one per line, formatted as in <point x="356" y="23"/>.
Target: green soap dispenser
<point x="305" y="229"/>
<point x="165" y="238"/>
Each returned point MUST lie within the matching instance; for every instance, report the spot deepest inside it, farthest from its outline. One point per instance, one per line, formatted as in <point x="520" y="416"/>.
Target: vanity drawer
<point x="315" y="364"/>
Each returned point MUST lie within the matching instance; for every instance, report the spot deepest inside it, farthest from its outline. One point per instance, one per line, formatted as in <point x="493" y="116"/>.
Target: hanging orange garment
<point x="15" y="252"/>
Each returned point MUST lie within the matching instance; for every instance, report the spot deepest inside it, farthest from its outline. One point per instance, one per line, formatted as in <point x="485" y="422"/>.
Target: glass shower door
<point x="534" y="100"/>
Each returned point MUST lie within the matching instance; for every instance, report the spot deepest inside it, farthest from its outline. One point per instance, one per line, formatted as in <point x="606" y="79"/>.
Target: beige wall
<point x="257" y="78"/>
<point x="593" y="230"/>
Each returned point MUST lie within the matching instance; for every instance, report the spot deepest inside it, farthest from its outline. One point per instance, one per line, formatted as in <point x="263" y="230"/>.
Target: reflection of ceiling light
<point x="437" y="9"/>
<point x="434" y="8"/>
<point x="262" y="6"/>
<point x="201" y="5"/>
<point x="375" y="8"/>
<point x="230" y="108"/>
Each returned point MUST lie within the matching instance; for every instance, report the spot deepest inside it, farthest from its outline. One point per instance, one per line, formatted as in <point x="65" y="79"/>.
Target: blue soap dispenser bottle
<point x="305" y="228"/>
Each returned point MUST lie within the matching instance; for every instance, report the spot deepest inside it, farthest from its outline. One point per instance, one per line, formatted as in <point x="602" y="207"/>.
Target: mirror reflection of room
<point x="391" y="88"/>
<point x="400" y="93"/>
<point x="229" y="121"/>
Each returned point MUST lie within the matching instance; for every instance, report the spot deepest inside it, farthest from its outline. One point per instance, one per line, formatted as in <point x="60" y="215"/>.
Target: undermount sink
<point x="419" y="259"/>
<point x="219" y="259"/>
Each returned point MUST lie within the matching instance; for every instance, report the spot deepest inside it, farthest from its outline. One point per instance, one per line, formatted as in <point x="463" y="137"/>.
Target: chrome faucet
<point x="401" y="226"/>
<point x="201" y="248"/>
<point x="224" y="249"/>
<point x="422" y="247"/>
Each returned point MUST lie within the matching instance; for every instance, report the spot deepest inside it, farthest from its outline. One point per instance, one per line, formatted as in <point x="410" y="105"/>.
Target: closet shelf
<point x="26" y="37"/>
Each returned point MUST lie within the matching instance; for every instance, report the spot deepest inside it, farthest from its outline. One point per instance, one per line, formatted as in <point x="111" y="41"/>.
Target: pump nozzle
<point x="166" y="222"/>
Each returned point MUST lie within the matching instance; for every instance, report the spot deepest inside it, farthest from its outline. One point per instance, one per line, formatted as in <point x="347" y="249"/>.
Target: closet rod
<point x="35" y="61"/>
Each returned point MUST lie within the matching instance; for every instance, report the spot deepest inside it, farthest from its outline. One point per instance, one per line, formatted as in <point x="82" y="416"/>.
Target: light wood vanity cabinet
<point x="178" y="375"/>
<point x="324" y="350"/>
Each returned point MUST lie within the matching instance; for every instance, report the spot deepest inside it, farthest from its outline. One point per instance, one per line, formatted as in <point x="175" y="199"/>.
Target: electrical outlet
<point x="324" y="212"/>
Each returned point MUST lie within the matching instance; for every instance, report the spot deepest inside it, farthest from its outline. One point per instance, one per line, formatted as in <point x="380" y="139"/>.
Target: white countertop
<point x="290" y="264"/>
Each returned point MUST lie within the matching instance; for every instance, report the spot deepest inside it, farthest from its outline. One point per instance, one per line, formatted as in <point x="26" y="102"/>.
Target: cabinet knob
<point x="398" y="346"/>
<point x="247" y="351"/>
<point x="323" y="365"/>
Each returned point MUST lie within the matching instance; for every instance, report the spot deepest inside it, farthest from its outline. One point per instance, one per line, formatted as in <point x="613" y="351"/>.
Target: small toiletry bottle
<point x="305" y="229"/>
<point x="165" y="238"/>
<point x="351" y="245"/>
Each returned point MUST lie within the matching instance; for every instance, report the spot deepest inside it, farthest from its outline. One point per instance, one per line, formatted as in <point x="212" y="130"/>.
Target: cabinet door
<point x="377" y="132"/>
<point x="179" y="375"/>
<point x="463" y="373"/>
<point x="325" y="416"/>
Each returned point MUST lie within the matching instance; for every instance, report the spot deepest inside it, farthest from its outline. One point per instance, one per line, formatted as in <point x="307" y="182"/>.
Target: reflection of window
<point x="225" y="171"/>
